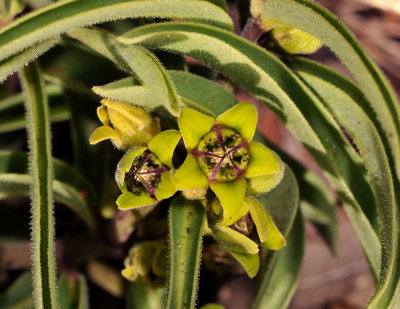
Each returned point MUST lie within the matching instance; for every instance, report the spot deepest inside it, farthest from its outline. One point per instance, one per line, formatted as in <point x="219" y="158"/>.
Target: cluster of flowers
<point x="221" y="156"/>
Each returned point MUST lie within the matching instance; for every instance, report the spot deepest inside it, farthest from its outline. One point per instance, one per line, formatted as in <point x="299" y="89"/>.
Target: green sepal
<point x="193" y="125"/>
<point x="129" y="200"/>
<point x="102" y="133"/>
<point x="263" y="161"/>
<point x="166" y="188"/>
<point x="189" y="175"/>
<point x="231" y="195"/>
<point x="163" y="145"/>
<point x="259" y="215"/>
<point x="242" y="118"/>
<point x="275" y="240"/>
<point x="250" y="262"/>
<point x="233" y="241"/>
<point x="264" y="183"/>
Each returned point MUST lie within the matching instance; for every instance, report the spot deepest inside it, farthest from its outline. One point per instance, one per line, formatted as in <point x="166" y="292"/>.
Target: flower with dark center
<point x="145" y="174"/>
<point x="222" y="156"/>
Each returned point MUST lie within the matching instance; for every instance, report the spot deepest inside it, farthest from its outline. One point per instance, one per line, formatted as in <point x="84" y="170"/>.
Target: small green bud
<point x="124" y="124"/>
<point x="296" y="41"/>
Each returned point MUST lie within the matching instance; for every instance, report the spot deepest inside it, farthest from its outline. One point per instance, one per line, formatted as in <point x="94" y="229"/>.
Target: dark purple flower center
<point x="145" y="174"/>
<point x="222" y="155"/>
<point x="244" y="225"/>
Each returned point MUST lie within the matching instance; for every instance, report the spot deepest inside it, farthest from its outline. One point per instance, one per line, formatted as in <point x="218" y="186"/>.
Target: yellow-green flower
<point x="124" y="124"/>
<point x="243" y="238"/>
<point x="144" y="174"/>
<point x="146" y="263"/>
<point x="222" y="155"/>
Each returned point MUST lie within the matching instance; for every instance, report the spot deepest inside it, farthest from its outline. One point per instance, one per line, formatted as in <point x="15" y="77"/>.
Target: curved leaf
<point x="266" y="77"/>
<point x="19" y="294"/>
<point x="40" y="166"/>
<point x="16" y="62"/>
<point x="366" y="138"/>
<point x="312" y="18"/>
<point x="66" y="15"/>
<point x="143" y="297"/>
<point x="186" y="223"/>
<point x="139" y="62"/>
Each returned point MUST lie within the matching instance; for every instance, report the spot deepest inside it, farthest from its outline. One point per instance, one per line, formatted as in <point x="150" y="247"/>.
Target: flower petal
<point x="163" y="145"/>
<point x="166" y="188"/>
<point x="103" y="115"/>
<point x="250" y="262"/>
<point x="231" y="196"/>
<point x="263" y="161"/>
<point x="242" y="117"/>
<point x="233" y="241"/>
<point x="189" y="175"/>
<point x="125" y="164"/>
<point x="275" y="240"/>
<point x="260" y="216"/>
<point x="264" y="183"/>
<point x="102" y="133"/>
<point x="129" y="200"/>
<point x="193" y="125"/>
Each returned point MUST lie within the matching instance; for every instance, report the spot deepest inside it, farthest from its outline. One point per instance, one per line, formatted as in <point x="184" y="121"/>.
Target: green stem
<point x="41" y="170"/>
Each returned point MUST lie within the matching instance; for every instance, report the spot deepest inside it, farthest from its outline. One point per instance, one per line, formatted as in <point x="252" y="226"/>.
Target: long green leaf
<point x="266" y="77"/>
<point x="16" y="62"/>
<point x="66" y="15"/>
<point x="19" y="294"/>
<point x="285" y="274"/>
<point x="366" y="138"/>
<point x="159" y="89"/>
<point x="314" y="19"/>
<point x="40" y="166"/>
<point x="186" y="223"/>
<point x="282" y="203"/>
<point x="73" y="292"/>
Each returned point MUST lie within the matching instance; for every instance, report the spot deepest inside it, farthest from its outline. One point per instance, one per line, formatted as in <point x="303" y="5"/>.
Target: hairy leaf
<point x="186" y="223"/>
<point x="66" y="15"/>
<point x="16" y="62"/>
<point x="159" y="89"/>
<point x="41" y="171"/>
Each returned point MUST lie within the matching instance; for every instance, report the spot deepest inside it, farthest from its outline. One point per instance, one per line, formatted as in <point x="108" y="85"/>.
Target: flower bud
<point x="146" y="263"/>
<point x="295" y="41"/>
<point x="124" y="124"/>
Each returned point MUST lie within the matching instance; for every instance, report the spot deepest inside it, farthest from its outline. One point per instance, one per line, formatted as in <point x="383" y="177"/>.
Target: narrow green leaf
<point x="83" y="293"/>
<point x="139" y="62"/>
<point x="282" y="203"/>
<point x="304" y="115"/>
<point x="142" y="297"/>
<point x="19" y="294"/>
<point x="66" y="15"/>
<point x="366" y="138"/>
<point x="284" y="277"/>
<point x="40" y="166"/>
<point x="314" y="19"/>
<point x="186" y="223"/>
<point x="70" y="187"/>
<point x="16" y="62"/>
<point x="73" y="292"/>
